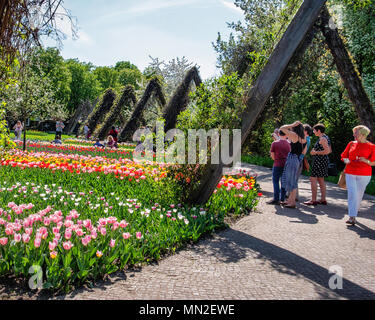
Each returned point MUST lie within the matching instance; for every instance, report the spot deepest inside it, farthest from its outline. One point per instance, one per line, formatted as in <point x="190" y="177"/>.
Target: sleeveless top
<point x="297" y="148"/>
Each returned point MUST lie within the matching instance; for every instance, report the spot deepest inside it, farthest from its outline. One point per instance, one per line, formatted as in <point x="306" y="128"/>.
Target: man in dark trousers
<point x="279" y="152"/>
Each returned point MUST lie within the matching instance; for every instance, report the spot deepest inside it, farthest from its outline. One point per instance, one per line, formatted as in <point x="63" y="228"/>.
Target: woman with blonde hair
<point x="359" y="156"/>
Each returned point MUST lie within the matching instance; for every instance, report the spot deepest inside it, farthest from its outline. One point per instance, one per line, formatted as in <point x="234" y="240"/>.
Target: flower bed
<point x="87" y="150"/>
<point x="75" y="217"/>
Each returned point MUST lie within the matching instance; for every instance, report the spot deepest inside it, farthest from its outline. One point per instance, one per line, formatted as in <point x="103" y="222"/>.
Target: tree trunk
<point x="257" y="97"/>
<point x="349" y="74"/>
<point x="24" y="134"/>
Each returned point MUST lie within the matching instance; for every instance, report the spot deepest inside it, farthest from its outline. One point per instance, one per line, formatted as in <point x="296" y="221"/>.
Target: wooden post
<point x="270" y="76"/>
<point x="349" y="74"/>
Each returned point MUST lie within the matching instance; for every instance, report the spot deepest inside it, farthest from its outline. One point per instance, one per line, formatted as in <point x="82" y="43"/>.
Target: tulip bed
<point x="80" y="217"/>
<point x="88" y="150"/>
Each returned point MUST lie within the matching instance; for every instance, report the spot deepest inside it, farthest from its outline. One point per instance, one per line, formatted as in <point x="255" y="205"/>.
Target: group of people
<point x="290" y="146"/>
<point x="110" y="143"/>
<point x="111" y="139"/>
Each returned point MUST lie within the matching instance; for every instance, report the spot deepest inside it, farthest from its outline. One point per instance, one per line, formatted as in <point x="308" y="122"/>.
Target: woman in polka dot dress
<point x="320" y="165"/>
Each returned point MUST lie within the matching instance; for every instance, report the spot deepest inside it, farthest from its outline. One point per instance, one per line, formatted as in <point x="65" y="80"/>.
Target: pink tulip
<point x="86" y="240"/>
<point x="17" y="237"/>
<point x="94" y="234"/>
<point x="112" y="243"/>
<point x="68" y="223"/>
<point x="52" y="246"/>
<point x="37" y="242"/>
<point x="87" y="224"/>
<point x="3" y="241"/>
<point x="138" y="235"/>
<point x="9" y="231"/>
<point x="68" y="234"/>
<point x="123" y="224"/>
<point x="29" y="231"/>
<point x="79" y="232"/>
<point x="126" y="235"/>
<point x="25" y="238"/>
<point x="67" y="245"/>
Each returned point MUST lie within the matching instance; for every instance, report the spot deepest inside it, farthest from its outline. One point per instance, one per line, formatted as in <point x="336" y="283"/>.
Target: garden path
<point x="274" y="253"/>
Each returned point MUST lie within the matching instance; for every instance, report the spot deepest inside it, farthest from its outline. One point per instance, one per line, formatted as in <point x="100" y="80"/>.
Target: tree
<point x="130" y="77"/>
<point x="107" y="77"/>
<point x="84" y="85"/>
<point x="32" y="95"/>
<point x="54" y="67"/>
<point x="171" y="73"/>
<point x="22" y="23"/>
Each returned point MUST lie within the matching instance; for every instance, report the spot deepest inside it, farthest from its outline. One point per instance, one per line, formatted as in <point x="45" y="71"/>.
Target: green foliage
<point x="33" y="94"/>
<point x="84" y="85"/>
<point x="51" y="64"/>
<point x="130" y="77"/>
<point x="106" y="76"/>
<point x="216" y="104"/>
<point x="359" y="30"/>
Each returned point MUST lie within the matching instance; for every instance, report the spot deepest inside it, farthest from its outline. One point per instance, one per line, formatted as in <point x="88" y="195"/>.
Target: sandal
<point x="351" y="221"/>
<point x="311" y="203"/>
<point x="289" y="206"/>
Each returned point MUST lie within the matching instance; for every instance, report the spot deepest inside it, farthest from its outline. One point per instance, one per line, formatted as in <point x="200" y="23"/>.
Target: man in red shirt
<point x="279" y="152"/>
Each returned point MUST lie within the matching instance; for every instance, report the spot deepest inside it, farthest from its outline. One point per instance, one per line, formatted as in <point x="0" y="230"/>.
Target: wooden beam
<point x="349" y="75"/>
<point x="270" y="76"/>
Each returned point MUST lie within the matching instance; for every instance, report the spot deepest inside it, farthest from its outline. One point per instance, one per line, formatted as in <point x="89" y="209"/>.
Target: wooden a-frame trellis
<point x="312" y="14"/>
<point x="132" y="124"/>
<point x="259" y="94"/>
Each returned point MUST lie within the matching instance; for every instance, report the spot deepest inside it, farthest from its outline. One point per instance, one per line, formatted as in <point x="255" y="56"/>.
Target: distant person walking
<point x="18" y="127"/>
<point x="280" y="149"/>
<point x="86" y="131"/>
<point x="319" y="171"/>
<point x="359" y="156"/>
<point x="59" y="127"/>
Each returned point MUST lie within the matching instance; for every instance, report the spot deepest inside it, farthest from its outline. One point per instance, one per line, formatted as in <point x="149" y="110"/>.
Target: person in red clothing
<point x="113" y="133"/>
<point x="358" y="156"/>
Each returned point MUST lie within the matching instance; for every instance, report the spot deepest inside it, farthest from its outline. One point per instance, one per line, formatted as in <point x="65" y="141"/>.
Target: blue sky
<point x="116" y="30"/>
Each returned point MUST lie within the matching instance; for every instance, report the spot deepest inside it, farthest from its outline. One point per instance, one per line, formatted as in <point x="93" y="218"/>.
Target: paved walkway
<point x="274" y="253"/>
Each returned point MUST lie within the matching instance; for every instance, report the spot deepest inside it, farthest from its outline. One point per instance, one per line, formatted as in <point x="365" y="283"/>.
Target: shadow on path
<point x="233" y="245"/>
